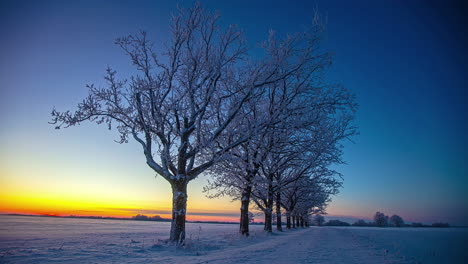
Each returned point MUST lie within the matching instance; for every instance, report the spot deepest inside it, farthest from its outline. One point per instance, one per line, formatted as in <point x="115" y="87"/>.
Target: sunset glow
<point x="83" y="202"/>
<point x="409" y="159"/>
<point x="233" y="132"/>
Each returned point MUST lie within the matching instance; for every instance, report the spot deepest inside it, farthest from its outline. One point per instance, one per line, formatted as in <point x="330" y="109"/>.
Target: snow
<point x="65" y="240"/>
<point x="420" y="245"/>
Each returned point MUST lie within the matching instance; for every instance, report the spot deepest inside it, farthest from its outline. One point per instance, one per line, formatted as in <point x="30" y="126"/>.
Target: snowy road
<point x="58" y="240"/>
<point x="312" y="245"/>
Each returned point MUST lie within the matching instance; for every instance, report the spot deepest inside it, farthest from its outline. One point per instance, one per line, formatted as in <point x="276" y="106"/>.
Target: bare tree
<point x="283" y="103"/>
<point x="307" y="149"/>
<point x="396" y="220"/>
<point x="235" y="176"/>
<point x="380" y="219"/>
<point x="183" y="103"/>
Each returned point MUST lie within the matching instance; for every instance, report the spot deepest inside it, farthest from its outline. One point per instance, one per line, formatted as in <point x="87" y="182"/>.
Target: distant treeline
<point x="137" y="217"/>
<point x="380" y="220"/>
<point x="90" y="217"/>
<point x="140" y="217"/>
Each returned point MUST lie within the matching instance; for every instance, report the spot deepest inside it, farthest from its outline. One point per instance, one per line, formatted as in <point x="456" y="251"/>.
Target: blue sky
<point x="405" y="60"/>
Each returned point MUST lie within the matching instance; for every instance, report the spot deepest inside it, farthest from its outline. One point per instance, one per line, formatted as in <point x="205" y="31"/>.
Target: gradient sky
<point x="405" y="60"/>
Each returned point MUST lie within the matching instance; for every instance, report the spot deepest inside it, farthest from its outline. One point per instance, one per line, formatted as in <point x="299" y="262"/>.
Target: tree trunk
<point x="288" y="220"/>
<point x="244" y="218"/>
<point x="268" y="220"/>
<point x="179" y="211"/>
<point x="293" y="221"/>
<point x="302" y="221"/>
<point x="279" y="226"/>
<point x="297" y="221"/>
<point x="269" y="210"/>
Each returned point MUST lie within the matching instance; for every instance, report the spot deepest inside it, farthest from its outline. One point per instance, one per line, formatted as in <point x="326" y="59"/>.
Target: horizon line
<point x="168" y="219"/>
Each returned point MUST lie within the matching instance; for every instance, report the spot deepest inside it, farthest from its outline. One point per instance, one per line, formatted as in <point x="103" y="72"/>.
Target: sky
<point x="404" y="60"/>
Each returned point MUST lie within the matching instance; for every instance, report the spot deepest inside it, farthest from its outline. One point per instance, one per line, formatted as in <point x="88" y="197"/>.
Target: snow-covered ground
<point x="66" y="240"/>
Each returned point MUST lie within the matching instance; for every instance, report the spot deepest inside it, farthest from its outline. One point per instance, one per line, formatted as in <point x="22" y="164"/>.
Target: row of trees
<point x="380" y="220"/>
<point x="140" y="217"/>
<point x="266" y="128"/>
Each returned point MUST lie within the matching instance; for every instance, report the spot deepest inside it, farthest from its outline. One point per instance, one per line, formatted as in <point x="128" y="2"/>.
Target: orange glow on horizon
<point x="67" y="206"/>
<point x="92" y="196"/>
<point x="190" y="217"/>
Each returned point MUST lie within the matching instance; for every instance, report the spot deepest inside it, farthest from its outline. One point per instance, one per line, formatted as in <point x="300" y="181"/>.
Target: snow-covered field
<point x="64" y="240"/>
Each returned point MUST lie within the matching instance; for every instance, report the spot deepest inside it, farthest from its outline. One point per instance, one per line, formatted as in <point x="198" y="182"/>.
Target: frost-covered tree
<point x="308" y="182"/>
<point x="314" y="198"/>
<point x="235" y="176"/>
<point x="300" y="100"/>
<point x="265" y="191"/>
<point x="289" y="200"/>
<point x="185" y="102"/>
<point x="397" y="221"/>
<point x="306" y="139"/>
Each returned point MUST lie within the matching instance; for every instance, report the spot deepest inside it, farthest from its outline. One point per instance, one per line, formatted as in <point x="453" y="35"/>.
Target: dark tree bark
<point x="293" y="221"/>
<point x="288" y="220"/>
<point x="297" y="221"/>
<point x="269" y="210"/>
<point x="244" y="218"/>
<point x="279" y="226"/>
<point x="268" y="221"/>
